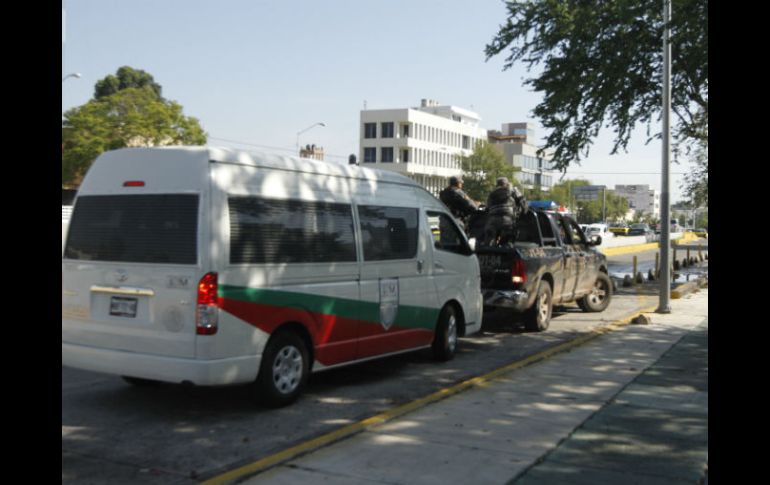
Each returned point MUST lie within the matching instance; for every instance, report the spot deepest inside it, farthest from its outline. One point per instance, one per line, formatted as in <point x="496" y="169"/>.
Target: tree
<point x="603" y="64"/>
<point x="482" y="168"/>
<point x="696" y="183"/>
<point x="126" y="77"/>
<point x="134" y="116"/>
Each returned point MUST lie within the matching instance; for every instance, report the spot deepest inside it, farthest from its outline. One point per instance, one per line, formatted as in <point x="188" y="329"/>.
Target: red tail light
<point x="519" y="272"/>
<point x="207" y="314"/>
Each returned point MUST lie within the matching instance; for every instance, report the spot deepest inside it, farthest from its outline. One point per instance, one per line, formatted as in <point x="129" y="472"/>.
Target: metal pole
<point x="664" y="305"/>
<point x="604" y="205"/>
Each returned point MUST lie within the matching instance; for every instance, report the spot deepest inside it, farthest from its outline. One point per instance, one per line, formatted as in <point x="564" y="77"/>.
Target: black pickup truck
<point x="551" y="261"/>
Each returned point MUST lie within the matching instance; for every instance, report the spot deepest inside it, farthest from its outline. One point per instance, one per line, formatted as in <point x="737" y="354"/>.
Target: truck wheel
<point x="284" y="370"/>
<point x="539" y="316"/>
<point x="600" y="296"/>
<point x="445" y="341"/>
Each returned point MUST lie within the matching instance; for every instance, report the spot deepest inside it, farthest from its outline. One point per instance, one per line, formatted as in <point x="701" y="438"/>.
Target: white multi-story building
<point x="422" y="143"/>
<point x="641" y="198"/>
<point x="516" y="142"/>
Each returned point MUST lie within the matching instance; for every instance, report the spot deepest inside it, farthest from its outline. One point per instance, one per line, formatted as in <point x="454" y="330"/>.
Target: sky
<point x="255" y="73"/>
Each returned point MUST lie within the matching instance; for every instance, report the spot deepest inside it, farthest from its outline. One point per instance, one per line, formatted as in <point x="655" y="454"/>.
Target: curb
<point x="687" y="288"/>
<point x="347" y="431"/>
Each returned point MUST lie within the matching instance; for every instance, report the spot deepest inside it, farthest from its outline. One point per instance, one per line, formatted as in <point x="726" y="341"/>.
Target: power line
<point x="293" y="150"/>
<point x="623" y="173"/>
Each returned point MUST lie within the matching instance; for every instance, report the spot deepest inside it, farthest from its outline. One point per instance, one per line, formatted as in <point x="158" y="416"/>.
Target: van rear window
<point x="290" y="231"/>
<point x="134" y="228"/>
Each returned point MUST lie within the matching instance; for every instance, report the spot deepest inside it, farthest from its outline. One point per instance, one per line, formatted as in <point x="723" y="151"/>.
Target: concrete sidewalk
<point x="628" y="407"/>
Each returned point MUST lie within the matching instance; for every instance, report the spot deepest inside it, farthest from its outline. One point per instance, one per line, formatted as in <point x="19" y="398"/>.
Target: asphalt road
<point x="115" y="433"/>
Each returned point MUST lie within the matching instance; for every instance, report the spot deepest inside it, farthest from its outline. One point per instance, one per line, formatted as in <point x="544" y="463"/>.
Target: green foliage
<point x="481" y="170"/>
<point x="127" y="77"/>
<point x="696" y="183"/>
<point x="602" y="65"/>
<point x="129" y="117"/>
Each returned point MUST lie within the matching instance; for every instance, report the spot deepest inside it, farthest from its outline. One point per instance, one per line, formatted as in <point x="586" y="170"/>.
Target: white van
<point x="213" y="266"/>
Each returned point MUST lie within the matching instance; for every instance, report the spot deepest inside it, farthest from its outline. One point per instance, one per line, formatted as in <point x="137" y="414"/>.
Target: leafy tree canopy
<point x="481" y="170"/>
<point x="133" y="116"/>
<point x="126" y="77"/>
<point x="602" y="64"/>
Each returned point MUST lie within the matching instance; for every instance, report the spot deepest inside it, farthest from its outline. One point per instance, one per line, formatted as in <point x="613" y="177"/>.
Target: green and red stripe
<point x="342" y="329"/>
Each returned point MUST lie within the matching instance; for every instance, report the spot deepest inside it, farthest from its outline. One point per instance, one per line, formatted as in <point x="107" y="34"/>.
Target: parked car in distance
<point x="598" y="230"/>
<point x="701" y="233"/>
<point x="640" y="230"/>
<point x="619" y="229"/>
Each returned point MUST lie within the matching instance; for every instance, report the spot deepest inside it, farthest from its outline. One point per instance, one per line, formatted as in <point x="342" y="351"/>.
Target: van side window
<point x="446" y="234"/>
<point x="388" y="232"/>
<point x="289" y="231"/>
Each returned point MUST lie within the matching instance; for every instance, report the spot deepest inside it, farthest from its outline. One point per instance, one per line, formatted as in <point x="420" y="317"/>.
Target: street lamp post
<point x="306" y="129"/>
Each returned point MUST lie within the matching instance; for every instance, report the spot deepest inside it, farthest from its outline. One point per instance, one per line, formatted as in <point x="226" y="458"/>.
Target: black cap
<point x="455" y="179"/>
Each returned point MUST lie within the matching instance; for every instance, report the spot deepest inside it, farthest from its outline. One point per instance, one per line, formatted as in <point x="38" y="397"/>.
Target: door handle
<point x="419" y="265"/>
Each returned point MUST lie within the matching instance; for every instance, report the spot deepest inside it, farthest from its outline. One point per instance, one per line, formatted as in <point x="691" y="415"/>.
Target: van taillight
<point x="207" y="315"/>
<point x="519" y="272"/>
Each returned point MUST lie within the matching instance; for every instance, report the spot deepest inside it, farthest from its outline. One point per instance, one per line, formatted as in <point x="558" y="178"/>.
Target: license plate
<point x="121" y="306"/>
<point x="488" y="262"/>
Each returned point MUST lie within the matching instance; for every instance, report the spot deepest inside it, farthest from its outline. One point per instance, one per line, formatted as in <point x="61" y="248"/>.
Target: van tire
<point x="445" y="340"/>
<point x="538" y="317"/>
<point x="284" y="370"/>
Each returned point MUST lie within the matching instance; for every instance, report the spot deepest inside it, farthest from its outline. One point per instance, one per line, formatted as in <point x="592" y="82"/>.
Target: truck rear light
<point x="207" y="310"/>
<point x="519" y="272"/>
<point x="133" y="183"/>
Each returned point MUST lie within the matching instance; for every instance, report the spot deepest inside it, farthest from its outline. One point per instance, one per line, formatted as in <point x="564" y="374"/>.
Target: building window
<point x="466" y="142"/>
<point x="386" y="154"/>
<point x="370" y="155"/>
<point x="405" y="131"/>
<point x="405" y="156"/>
<point x="370" y="130"/>
<point x="387" y="130"/>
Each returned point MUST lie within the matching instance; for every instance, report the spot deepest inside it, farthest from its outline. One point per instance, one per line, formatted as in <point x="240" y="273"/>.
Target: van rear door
<point x="130" y="272"/>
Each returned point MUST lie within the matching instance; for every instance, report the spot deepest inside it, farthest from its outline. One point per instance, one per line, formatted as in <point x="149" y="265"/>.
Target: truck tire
<point x="600" y="296"/>
<point x="538" y="317"/>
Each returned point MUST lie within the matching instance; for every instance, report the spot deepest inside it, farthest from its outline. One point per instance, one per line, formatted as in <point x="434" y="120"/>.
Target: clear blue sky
<point x="260" y="71"/>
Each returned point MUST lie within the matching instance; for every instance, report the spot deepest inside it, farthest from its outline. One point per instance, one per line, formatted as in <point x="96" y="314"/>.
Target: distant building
<point x="422" y="143"/>
<point x="312" y="151"/>
<point x="516" y="141"/>
<point x="641" y="198"/>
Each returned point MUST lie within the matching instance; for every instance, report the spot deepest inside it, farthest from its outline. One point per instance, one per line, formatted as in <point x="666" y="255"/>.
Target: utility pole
<point x="664" y="305"/>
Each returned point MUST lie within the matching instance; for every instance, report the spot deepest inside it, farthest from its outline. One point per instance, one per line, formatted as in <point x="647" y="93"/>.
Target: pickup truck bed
<point x="550" y="262"/>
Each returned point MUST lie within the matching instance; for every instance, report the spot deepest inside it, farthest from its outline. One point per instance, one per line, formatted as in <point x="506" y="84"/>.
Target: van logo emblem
<point x="121" y="276"/>
<point x="388" y="302"/>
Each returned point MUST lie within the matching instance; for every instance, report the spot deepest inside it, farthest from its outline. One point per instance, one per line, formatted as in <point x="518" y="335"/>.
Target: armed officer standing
<point x="505" y="205"/>
<point x="457" y="201"/>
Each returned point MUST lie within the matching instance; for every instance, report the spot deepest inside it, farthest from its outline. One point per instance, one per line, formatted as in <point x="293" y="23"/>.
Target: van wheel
<point x="538" y="317"/>
<point x="284" y="370"/>
<point x="599" y="298"/>
<point x="445" y="341"/>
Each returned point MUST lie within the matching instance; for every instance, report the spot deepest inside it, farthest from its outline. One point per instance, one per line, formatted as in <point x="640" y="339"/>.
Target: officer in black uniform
<point x="457" y="201"/>
<point x="505" y="205"/>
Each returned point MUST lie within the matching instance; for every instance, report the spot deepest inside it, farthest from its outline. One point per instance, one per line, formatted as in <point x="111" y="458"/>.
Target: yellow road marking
<point x="354" y="428"/>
